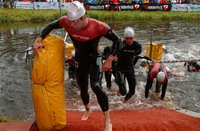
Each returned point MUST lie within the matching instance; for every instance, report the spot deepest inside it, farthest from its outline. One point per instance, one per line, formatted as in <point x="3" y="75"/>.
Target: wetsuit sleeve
<point x="106" y="52"/>
<point x="141" y="57"/>
<point x="136" y="59"/>
<point x="139" y="49"/>
<point x="53" y="25"/>
<point x="112" y="35"/>
<point x="147" y="58"/>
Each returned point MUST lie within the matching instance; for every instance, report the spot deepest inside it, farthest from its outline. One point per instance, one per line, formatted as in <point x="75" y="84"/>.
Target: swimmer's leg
<point x="108" y="124"/>
<point x="87" y="112"/>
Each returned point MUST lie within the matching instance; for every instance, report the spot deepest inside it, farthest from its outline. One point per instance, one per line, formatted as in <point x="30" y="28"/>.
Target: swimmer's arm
<point x="112" y="35"/>
<point x="51" y="26"/>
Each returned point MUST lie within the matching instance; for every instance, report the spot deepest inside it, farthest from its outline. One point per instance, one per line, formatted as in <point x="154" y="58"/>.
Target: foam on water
<point x="138" y="101"/>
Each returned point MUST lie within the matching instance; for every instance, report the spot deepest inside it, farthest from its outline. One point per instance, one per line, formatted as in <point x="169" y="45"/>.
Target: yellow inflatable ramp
<point x="156" y="53"/>
<point x="48" y="85"/>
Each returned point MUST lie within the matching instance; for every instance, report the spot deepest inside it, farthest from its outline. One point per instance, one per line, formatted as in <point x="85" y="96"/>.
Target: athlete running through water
<point x="125" y="66"/>
<point x="85" y="34"/>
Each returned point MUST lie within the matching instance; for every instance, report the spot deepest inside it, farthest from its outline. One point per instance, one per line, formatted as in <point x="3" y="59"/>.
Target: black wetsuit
<point x="125" y="68"/>
<point x="141" y="57"/>
<point x="108" y="74"/>
<point x="88" y="58"/>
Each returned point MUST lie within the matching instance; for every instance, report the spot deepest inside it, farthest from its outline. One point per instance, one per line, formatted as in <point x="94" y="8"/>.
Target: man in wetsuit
<point x="125" y="66"/>
<point x="85" y="34"/>
<point x="158" y="71"/>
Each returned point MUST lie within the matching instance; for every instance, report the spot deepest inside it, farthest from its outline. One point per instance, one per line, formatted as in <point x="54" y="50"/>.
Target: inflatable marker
<point x="48" y="85"/>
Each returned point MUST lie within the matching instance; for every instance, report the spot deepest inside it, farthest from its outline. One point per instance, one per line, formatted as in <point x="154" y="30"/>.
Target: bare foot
<point x="86" y="115"/>
<point x="108" y="126"/>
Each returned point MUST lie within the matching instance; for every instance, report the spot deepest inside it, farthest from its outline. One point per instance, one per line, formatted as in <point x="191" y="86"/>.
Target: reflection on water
<point x="182" y="38"/>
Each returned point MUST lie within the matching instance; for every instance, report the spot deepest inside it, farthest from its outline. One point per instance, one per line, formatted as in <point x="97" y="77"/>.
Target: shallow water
<point x="181" y="37"/>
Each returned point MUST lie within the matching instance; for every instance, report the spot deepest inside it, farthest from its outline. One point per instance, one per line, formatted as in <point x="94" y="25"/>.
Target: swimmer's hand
<point x="37" y="45"/>
<point x="107" y="65"/>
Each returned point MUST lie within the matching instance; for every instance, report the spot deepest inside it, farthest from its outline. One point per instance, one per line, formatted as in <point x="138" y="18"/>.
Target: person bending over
<point x="159" y="72"/>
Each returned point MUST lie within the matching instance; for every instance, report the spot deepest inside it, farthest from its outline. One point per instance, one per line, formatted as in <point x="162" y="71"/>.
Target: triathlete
<point x="85" y="34"/>
<point x="158" y="71"/>
<point x="125" y="66"/>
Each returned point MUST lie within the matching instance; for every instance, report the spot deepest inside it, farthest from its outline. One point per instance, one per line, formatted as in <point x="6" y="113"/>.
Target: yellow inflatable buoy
<point x="156" y="52"/>
<point x="48" y="84"/>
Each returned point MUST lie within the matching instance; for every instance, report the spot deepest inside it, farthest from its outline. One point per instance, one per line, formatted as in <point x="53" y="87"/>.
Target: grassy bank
<point x="24" y="15"/>
<point x="32" y="16"/>
<point x="28" y="18"/>
<point x="5" y="119"/>
<point x="145" y="15"/>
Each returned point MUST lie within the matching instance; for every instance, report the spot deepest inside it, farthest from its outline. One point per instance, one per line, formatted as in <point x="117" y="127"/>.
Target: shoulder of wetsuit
<point x="62" y="20"/>
<point x="101" y="27"/>
<point x="112" y="35"/>
<point x="135" y="43"/>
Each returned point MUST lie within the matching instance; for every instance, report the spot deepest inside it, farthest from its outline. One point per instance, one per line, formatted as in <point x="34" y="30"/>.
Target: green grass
<point x="32" y="16"/>
<point x="145" y="15"/>
<point x="5" y="119"/>
<point x="24" y="18"/>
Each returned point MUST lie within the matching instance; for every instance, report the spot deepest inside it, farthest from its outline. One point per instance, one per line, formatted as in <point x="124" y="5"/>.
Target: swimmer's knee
<point x="98" y="90"/>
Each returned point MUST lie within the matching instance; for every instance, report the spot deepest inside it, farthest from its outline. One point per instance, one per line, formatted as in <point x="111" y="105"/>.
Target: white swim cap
<point x="73" y="53"/>
<point x="75" y="10"/>
<point x="129" y="32"/>
<point x="160" y="76"/>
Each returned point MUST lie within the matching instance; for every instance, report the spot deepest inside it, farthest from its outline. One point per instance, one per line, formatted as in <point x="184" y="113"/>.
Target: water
<point x="183" y="92"/>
